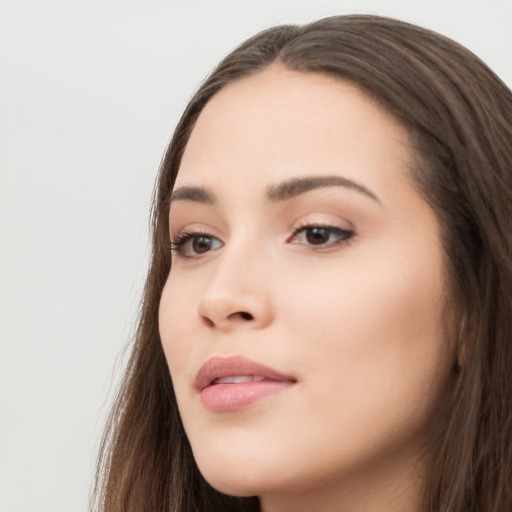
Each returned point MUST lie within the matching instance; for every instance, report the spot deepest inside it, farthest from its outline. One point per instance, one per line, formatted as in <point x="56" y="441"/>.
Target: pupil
<point x="317" y="236"/>
<point x="202" y="244"/>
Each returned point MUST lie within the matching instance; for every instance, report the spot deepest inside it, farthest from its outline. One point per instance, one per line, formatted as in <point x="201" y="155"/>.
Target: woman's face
<point x="302" y="319"/>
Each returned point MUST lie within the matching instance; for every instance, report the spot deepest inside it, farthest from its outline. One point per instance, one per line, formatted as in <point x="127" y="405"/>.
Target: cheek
<point x="372" y="333"/>
<point x="174" y="318"/>
<point x="372" y="354"/>
<point x="365" y="338"/>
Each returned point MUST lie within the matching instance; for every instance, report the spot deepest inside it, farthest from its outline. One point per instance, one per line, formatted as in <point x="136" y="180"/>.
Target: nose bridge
<point x="238" y="291"/>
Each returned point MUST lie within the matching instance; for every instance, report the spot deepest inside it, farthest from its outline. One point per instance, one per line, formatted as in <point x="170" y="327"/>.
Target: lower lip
<point x="233" y="397"/>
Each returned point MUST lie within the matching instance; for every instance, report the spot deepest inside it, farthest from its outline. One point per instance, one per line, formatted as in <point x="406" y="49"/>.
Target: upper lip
<point x="219" y="367"/>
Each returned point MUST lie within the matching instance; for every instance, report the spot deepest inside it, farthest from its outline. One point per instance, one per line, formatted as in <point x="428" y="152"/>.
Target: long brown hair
<point x="459" y="116"/>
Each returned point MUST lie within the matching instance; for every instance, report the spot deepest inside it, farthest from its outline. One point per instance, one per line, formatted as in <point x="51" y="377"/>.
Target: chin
<point x="234" y="485"/>
<point x="239" y="480"/>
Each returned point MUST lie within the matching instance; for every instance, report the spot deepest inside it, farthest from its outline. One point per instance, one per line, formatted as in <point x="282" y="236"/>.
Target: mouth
<point x="229" y="384"/>
<point x="238" y="379"/>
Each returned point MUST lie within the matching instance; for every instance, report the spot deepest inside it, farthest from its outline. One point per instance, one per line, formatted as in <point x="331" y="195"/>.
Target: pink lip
<point x="224" y="397"/>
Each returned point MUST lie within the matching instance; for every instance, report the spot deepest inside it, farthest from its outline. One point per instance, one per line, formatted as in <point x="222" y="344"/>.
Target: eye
<point x="321" y="236"/>
<point x="193" y="245"/>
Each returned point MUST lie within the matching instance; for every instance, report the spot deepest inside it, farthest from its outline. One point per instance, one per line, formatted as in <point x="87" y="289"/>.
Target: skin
<point x="357" y="320"/>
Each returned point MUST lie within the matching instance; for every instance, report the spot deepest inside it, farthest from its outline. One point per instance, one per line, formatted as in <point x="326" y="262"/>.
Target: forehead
<point x="262" y="128"/>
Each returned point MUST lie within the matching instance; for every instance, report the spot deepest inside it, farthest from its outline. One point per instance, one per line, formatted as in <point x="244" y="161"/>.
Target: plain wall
<point x="90" y="94"/>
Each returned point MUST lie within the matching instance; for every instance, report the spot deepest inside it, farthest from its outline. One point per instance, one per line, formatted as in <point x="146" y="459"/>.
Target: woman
<point x="334" y="331"/>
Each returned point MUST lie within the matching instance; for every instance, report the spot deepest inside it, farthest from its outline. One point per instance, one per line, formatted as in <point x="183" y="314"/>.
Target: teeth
<point x="238" y="379"/>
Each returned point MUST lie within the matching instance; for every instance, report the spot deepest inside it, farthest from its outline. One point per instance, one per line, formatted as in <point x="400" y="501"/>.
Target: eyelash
<point x="345" y="236"/>
<point x="178" y="244"/>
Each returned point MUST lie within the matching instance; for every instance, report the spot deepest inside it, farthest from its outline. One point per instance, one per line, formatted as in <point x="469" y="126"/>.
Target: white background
<point x="90" y="94"/>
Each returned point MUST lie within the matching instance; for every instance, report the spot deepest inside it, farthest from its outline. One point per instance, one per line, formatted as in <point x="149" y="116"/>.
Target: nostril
<point x="208" y="322"/>
<point x="242" y="314"/>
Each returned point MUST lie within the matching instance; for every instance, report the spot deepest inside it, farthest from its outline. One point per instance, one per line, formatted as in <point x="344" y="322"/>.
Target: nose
<point x="238" y="293"/>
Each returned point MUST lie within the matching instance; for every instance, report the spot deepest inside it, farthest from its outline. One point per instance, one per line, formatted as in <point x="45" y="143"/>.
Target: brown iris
<point x="318" y="235"/>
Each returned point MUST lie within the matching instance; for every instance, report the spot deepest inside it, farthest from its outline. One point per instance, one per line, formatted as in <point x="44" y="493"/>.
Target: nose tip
<point x="237" y="292"/>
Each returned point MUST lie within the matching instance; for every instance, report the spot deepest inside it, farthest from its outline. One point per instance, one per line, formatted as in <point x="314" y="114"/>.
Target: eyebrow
<point x="297" y="186"/>
<point x="275" y="193"/>
<point x="196" y="194"/>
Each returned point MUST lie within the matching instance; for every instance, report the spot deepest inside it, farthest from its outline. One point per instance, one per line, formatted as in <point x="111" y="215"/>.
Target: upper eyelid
<point x="310" y="219"/>
<point x="195" y="228"/>
<point x="184" y="235"/>
<point x="323" y="225"/>
<point x="326" y="220"/>
<point x="331" y="227"/>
